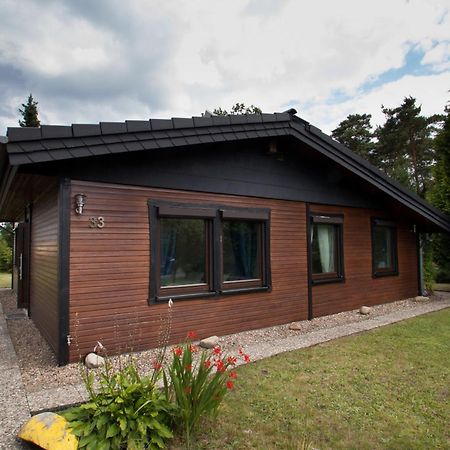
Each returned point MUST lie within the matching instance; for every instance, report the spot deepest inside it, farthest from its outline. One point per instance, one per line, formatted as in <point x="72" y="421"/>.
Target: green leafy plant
<point x="128" y="411"/>
<point x="197" y="385"/>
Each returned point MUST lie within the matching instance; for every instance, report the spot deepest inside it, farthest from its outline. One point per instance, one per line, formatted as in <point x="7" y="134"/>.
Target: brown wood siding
<point x="109" y="273"/>
<point x="44" y="266"/>
<point x="360" y="288"/>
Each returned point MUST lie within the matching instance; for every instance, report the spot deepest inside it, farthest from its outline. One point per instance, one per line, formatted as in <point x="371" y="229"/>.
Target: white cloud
<point x="92" y="61"/>
<point x="432" y="92"/>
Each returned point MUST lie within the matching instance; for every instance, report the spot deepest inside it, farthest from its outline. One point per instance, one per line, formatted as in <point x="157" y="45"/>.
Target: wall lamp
<point x="79" y="203"/>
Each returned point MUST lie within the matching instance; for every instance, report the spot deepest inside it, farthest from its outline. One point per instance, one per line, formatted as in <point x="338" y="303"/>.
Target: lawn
<point x="5" y="280"/>
<point x="442" y="287"/>
<point x="384" y="389"/>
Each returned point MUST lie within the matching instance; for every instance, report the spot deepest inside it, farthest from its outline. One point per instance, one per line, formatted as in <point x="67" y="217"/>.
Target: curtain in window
<point x="325" y="236"/>
<point x="245" y="248"/>
<point x="168" y="248"/>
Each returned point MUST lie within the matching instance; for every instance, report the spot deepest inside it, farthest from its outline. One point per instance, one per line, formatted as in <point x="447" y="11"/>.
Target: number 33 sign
<point x="96" y="222"/>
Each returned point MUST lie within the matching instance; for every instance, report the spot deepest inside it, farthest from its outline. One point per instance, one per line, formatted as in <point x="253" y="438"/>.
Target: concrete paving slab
<point x="53" y="399"/>
<point x="14" y="410"/>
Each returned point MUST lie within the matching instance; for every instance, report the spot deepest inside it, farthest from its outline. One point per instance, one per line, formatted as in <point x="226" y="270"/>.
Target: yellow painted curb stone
<point x="49" y="431"/>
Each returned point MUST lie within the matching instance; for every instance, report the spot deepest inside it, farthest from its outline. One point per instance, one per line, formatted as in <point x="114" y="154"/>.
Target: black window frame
<point x="337" y="220"/>
<point x="214" y="215"/>
<point x="392" y="226"/>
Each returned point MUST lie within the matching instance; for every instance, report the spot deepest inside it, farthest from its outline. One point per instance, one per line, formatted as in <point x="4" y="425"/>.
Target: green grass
<point x="5" y="280"/>
<point x="384" y="389"/>
<point x="441" y="287"/>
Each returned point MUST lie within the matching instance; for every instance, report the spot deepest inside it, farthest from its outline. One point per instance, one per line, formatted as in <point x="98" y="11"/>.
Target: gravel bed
<point x="39" y="366"/>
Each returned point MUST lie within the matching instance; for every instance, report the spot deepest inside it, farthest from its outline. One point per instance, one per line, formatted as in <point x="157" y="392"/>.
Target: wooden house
<point x="243" y="221"/>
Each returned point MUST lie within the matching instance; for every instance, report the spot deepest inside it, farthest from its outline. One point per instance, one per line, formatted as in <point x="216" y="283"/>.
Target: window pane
<point x="382" y="247"/>
<point x="323" y="244"/>
<point x="241" y="250"/>
<point x="182" y="251"/>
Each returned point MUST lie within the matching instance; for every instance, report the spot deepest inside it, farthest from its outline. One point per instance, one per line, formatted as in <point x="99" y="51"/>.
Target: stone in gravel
<point x="364" y="310"/>
<point x="93" y="361"/>
<point x="421" y="298"/>
<point x="209" y="342"/>
<point x="295" y="326"/>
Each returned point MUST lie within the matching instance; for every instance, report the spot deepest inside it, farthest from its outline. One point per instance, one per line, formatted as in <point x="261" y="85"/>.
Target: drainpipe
<point x="419" y="246"/>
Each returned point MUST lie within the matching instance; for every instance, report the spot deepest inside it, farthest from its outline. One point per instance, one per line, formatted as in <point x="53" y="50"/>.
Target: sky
<point x="90" y="61"/>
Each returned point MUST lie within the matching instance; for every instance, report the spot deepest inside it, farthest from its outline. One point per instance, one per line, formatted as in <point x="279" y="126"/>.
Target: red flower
<point x="193" y="348"/>
<point x="233" y="374"/>
<point x="188" y="367"/>
<point x="246" y="358"/>
<point x="157" y="365"/>
<point x="231" y="360"/>
<point x="241" y="352"/>
<point x="229" y="384"/>
<point x="178" y="351"/>
<point x="217" y="350"/>
<point x="220" y="366"/>
<point x="192" y="335"/>
<point x="207" y="363"/>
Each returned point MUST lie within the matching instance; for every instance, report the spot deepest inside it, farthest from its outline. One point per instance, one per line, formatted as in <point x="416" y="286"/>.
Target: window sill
<point x="328" y="280"/>
<point x="245" y="290"/>
<point x="385" y="274"/>
<point x="210" y="294"/>
<point x="190" y="296"/>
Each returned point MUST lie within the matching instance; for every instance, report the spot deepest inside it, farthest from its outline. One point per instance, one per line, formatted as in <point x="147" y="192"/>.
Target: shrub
<point x="5" y="256"/>
<point x="128" y="411"/>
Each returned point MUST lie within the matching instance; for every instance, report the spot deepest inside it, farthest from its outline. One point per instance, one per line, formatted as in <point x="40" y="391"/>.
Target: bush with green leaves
<point x="5" y="256"/>
<point x="128" y="411"/>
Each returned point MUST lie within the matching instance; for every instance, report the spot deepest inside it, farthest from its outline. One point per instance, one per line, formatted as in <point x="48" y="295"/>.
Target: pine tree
<point x="405" y="145"/>
<point x="355" y="133"/>
<point x="29" y="113"/>
<point x="440" y="197"/>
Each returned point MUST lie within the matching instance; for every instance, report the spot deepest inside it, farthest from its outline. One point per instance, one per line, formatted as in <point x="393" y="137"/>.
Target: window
<point x="207" y="251"/>
<point x="384" y="248"/>
<point x="326" y="248"/>
<point x="183" y="252"/>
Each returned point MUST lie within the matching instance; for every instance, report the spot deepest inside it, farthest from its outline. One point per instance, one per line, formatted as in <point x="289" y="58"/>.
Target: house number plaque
<point x="96" y="222"/>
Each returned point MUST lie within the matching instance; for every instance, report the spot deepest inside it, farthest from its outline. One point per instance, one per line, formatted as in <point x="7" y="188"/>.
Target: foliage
<point x="129" y="411"/>
<point x="355" y="132"/>
<point x="429" y="268"/>
<point x="440" y="197"/>
<point x="374" y="390"/>
<point x="5" y="256"/>
<point x="239" y="109"/>
<point x="29" y="113"/>
<point x="197" y="389"/>
<point x="404" y="149"/>
<point x="7" y="233"/>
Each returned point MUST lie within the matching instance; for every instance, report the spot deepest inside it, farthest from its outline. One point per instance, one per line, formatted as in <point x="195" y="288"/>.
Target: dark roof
<point x="52" y="143"/>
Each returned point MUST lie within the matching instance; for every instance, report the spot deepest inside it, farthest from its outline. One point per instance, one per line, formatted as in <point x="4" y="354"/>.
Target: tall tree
<point x="405" y="145"/>
<point x="238" y="108"/>
<point x="29" y="113"/>
<point x="440" y="197"/>
<point x="355" y="132"/>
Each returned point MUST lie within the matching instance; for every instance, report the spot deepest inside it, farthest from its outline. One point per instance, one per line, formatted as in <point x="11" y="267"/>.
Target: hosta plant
<point x="127" y="411"/>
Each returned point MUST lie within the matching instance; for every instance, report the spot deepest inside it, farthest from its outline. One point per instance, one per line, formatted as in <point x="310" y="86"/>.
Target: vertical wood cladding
<point x="109" y="272"/>
<point x="360" y="288"/>
<point x="44" y="266"/>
